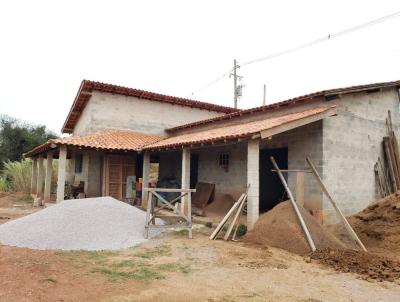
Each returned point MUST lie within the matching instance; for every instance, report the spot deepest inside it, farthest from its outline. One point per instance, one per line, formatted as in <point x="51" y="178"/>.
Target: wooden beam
<point x="298" y="123"/>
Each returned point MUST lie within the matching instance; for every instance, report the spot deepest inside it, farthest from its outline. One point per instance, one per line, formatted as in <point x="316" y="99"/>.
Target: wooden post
<point x="145" y="178"/>
<point x="338" y="211"/>
<point x="62" y="159"/>
<point x="85" y="171"/>
<point x="49" y="171"/>
<point x="300" y="188"/>
<point x="34" y="176"/>
<point x="185" y="177"/>
<point x="40" y="179"/>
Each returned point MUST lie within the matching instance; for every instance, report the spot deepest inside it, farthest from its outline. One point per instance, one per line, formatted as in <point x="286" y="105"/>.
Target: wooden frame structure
<point x="151" y="213"/>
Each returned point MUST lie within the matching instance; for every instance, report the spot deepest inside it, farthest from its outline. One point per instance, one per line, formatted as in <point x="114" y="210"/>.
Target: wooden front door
<point x="117" y="169"/>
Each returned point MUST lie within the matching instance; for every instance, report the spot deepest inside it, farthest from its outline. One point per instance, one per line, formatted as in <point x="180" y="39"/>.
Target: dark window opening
<point x="223" y="161"/>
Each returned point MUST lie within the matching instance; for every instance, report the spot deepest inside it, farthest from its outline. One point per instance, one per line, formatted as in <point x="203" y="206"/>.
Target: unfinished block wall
<point x="231" y="181"/>
<point x="108" y="111"/>
<point x="351" y="145"/>
<point x="301" y="142"/>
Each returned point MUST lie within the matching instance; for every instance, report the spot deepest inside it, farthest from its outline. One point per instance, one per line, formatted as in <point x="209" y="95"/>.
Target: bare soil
<point x="175" y="268"/>
<point x="368" y="265"/>
<point x="280" y="228"/>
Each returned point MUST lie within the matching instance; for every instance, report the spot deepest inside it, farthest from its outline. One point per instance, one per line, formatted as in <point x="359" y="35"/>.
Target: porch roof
<point x="264" y="128"/>
<point x="104" y="140"/>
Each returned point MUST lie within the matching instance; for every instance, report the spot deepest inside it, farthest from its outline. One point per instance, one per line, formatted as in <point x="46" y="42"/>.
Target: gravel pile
<point x="102" y="223"/>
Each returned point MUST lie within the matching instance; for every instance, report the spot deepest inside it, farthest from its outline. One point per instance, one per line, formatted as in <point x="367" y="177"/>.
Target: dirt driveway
<point x="174" y="268"/>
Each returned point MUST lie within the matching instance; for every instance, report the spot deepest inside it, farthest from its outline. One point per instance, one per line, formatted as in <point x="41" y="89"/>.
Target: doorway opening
<point x="272" y="191"/>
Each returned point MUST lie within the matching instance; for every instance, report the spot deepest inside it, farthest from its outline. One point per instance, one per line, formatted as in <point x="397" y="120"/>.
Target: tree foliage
<point x="17" y="137"/>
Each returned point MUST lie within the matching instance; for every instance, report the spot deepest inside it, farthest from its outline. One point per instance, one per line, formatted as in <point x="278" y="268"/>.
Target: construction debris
<point x="369" y="266"/>
<point x="238" y="207"/>
<point x="387" y="171"/>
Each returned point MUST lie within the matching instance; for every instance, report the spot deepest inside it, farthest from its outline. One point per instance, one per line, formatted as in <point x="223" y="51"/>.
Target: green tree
<point x="17" y="137"/>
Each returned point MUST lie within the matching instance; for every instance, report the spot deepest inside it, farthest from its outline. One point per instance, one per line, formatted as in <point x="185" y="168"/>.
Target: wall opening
<point x="271" y="189"/>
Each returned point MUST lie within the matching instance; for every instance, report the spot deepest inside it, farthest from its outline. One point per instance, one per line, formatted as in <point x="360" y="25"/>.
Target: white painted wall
<point x="108" y="111"/>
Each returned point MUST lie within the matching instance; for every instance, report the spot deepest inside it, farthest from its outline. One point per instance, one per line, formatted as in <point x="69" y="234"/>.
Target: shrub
<point x="242" y="230"/>
<point x="3" y="184"/>
<point x="18" y="173"/>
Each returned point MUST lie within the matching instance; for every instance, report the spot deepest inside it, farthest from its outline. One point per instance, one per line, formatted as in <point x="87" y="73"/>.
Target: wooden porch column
<point x="253" y="170"/>
<point x="145" y="177"/>
<point x="185" y="176"/>
<point x="62" y="158"/>
<point x="85" y="171"/>
<point x="40" y="178"/>
<point x="34" y="176"/>
<point x="49" y="171"/>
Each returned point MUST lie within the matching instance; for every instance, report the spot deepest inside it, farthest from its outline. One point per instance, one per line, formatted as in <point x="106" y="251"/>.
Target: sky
<point x="177" y="47"/>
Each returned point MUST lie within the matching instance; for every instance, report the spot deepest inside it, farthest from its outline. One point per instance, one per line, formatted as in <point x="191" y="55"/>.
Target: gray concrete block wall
<point x="301" y="142"/>
<point x="351" y="145"/>
<point x="108" y="111"/>
<point x="232" y="181"/>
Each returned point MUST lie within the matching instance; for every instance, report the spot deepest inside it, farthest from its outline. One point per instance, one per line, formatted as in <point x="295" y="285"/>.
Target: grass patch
<point x="25" y="197"/>
<point x="181" y="232"/>
<point x="161" y="250"/>
<point x="141" y="273"/>
<point x="209" y="224"/>
<point x="128" y="269"/>
<point x="174" y="267"/>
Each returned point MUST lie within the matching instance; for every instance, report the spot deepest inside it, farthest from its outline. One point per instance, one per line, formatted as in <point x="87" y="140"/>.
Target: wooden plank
<point x="293" y="170"/>
<point x="300" y="188"/>
<point x="225" y="219"/>
<point x="384" y="172"/>
<point x="390" y="163"/>
<point x="228" y="232"/>
<point x="338" y="211"/>
<point x="298" y="123"/>
<point x="378" y="181"/>
<point x="168" y="190"/>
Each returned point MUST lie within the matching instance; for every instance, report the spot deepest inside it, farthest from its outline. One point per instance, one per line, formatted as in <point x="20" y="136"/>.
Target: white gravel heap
<point x="102" y="223"/>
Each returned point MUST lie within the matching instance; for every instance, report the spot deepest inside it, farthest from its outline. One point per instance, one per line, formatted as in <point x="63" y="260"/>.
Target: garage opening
<point x="272" y="191"/>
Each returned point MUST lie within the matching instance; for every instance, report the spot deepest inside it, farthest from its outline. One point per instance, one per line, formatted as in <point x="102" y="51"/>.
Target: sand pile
<point x="102" y="223"/>
<point x="280" y="228"/>
<point x="378" y="226"/>
<point x="369" y="266"/>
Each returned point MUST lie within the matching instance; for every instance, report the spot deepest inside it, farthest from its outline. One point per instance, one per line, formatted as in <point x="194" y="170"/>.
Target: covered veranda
<point x="100" y="162"/>
<point x="242" y="141"/>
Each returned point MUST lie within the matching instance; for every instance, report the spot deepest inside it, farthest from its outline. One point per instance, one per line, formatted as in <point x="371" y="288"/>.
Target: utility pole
<point x="235" y="97"/>
<point x="265" y="93"/>
<point x="237" y="89"/>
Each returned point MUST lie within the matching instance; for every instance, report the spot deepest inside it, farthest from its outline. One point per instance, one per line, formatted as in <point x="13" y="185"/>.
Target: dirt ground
<point x="175" y="268"/>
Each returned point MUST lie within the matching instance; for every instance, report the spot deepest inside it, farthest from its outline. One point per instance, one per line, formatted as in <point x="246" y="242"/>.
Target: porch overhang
<point x="109" y="140"/>
<point x="245" y="131"/>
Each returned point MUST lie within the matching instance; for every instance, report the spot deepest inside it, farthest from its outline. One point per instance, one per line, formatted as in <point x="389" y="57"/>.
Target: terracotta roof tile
<point x="234" y="131"/>
<point x="105" y="140"/>
<point x="292" y="101"/>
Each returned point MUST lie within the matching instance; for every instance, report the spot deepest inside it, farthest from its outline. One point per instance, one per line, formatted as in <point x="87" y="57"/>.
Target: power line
<point x="305" y="45"/>
<point x="325" y="38"/>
